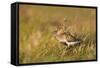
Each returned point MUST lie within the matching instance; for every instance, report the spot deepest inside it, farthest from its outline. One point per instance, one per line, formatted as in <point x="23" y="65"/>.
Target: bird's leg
<point x="67" y="46"/>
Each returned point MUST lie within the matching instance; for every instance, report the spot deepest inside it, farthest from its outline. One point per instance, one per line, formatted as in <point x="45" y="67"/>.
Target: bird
<point x="66" y="38"/>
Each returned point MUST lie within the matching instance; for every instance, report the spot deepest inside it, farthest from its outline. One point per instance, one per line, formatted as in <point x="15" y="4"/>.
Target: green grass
<point x="37" y="40"/>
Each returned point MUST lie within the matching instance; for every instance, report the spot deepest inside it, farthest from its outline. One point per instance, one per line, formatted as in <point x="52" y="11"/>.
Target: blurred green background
<point x="36" y="38"/>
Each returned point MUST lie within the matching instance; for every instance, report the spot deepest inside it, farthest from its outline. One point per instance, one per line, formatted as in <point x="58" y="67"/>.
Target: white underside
<point x="68" y="43"/>
<point x="64" y="40"/>
<point x="73" y="43"/>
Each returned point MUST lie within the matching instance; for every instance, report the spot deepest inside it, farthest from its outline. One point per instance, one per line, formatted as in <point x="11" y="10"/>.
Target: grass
<point x="38" y="43"/>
